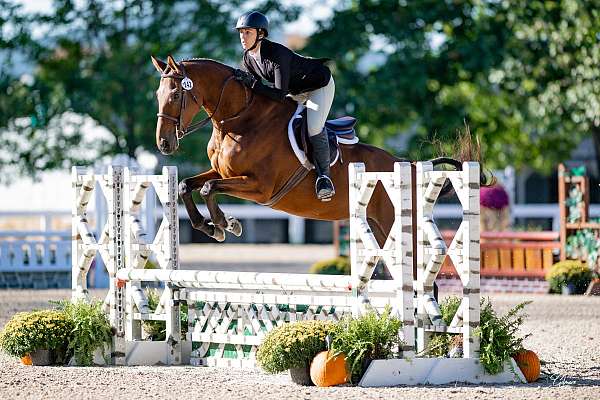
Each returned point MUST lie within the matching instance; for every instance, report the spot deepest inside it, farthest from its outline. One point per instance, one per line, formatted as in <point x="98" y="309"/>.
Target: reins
<point x="186" y="87"/>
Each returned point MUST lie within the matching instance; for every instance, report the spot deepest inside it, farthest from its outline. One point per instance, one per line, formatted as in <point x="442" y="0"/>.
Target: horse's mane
<point x="196" y="60"/>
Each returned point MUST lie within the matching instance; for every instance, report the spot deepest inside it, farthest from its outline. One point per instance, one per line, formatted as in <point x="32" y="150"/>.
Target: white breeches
<point x="318" y="103"/>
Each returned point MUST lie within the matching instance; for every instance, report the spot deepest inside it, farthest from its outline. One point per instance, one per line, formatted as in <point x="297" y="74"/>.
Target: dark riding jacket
<point x="287" y="71"/>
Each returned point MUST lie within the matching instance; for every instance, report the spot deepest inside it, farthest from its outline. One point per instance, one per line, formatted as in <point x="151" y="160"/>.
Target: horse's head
<point x="177" y="104"/>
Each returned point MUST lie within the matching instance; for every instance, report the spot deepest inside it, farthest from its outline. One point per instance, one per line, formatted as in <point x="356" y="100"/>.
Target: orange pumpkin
<point x="529" y="363"/>
<point x="326" y="370"/>
<point x="26" y="360"/>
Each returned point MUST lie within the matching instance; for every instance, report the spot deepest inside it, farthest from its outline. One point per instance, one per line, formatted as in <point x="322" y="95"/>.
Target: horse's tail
<point x="465" y="148"/>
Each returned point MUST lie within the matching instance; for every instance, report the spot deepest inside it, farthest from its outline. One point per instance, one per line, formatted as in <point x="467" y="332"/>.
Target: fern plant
<point x="91" y="329"/>
<point x="499" y="339"/>
<point x="498" y="335"/>
<point x="440" y="343"/>
<point x="368" y="337"/>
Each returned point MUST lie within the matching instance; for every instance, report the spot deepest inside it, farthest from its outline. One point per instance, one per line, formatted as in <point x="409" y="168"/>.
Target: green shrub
<point x="569" y="272"/>
<point x="151" y="264"/>
<point x="498" y="339"/>
<point x="368" y="337"/>
<point x="292" y="345"/>
<point x="91" y="329"/>
<point x="449" y="307"/>
<point x="26" y="332"/>
<point x="335" y="266"/>
<point x="440" y="343"/>
<point x="498" y="336"/>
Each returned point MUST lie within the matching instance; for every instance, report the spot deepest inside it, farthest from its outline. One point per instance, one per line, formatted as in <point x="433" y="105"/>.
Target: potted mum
<point x="293" y="346"/>
<point x="569" y="277"/>
<point x="37" y="337"/>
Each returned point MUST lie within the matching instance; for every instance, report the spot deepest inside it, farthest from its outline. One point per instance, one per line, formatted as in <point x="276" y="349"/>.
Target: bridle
<point x="186" y="87"/>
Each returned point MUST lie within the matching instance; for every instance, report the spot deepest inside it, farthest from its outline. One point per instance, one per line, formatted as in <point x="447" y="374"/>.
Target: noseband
<point x="186" y="86"/>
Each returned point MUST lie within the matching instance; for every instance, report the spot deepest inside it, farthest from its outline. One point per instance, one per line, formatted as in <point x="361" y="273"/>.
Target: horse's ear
<point x="173" y="64"/>
<point x="158" y="64"/>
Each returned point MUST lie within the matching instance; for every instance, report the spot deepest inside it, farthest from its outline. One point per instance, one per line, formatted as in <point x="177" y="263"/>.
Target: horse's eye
<point x="176" y="96"/>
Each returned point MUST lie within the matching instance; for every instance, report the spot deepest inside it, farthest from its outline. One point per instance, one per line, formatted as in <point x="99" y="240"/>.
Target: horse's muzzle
<point x="166" y="148"/>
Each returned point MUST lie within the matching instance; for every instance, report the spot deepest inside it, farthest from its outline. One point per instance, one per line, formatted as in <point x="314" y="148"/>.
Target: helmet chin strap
<point x="258" y="39"/>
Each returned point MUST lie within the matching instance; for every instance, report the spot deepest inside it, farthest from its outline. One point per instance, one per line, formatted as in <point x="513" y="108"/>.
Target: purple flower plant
<point x="494" y="197"/>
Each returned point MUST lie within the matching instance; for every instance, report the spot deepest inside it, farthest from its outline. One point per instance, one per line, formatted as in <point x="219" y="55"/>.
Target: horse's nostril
<point x="164" y="144"/>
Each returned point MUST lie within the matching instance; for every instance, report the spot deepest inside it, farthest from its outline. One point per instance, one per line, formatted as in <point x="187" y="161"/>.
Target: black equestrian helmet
<point x="253" y="19"/>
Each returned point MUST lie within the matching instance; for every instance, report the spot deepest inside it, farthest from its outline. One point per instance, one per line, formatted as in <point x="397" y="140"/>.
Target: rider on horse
<point x="306" y="80"/>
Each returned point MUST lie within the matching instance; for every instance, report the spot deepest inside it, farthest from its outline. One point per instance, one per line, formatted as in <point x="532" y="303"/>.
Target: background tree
<point x="551" y="74"/>
<point x="523" y="75"/>
<point x="92" y="58"/>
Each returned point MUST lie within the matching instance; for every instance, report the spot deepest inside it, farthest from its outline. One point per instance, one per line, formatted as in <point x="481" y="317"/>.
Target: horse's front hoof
<point x="234" y="226"/>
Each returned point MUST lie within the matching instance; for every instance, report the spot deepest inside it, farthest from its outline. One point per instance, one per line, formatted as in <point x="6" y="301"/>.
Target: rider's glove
<point x="246" y="78"/>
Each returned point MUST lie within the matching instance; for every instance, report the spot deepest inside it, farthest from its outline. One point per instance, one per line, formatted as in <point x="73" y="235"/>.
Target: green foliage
<point x="498" y="335"/>
<point x="440" y="343"/>
<point x="550" y="72"/>
<point x="292" y="345"/>
<point x="498" y="339"/>
<point x="522" y="74"/>
<point x="26" y="332"/>
<point x="368" y="337"/>
<point x="91" y="329"/>
<point x="449" y="307"/>
<point x="92" y="58"/>
<point x="157" y="330"/>
<point x="569" y="272"/>
<point x="335" y="266"/>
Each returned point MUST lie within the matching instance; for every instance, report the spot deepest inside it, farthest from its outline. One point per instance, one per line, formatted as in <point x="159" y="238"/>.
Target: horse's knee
<point x="184" y="188"/>
<point x="206" y="189"/>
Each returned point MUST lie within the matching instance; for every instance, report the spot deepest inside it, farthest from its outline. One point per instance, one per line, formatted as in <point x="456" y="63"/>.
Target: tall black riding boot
<point x="324" y="186"/>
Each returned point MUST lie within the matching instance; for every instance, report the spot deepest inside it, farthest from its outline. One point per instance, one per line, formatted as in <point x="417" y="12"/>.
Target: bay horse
<point x="249" y="151"/>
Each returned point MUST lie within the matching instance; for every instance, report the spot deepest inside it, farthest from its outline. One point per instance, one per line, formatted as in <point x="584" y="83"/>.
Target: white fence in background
<point x="40" y="248"/>
<point x="47" y="250"/>
<point x="35" y="258"/>
<point x="35" y="250"/>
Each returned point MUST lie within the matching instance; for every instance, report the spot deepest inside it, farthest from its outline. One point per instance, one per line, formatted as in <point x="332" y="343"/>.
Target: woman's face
<point x="247" y="37"/>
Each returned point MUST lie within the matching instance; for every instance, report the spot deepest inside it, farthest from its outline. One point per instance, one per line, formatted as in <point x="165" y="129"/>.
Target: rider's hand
<point x="245" y="78"/>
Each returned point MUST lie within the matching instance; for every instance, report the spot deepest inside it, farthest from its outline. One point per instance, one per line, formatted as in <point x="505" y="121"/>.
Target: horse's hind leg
<point x="186" y="187"/>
